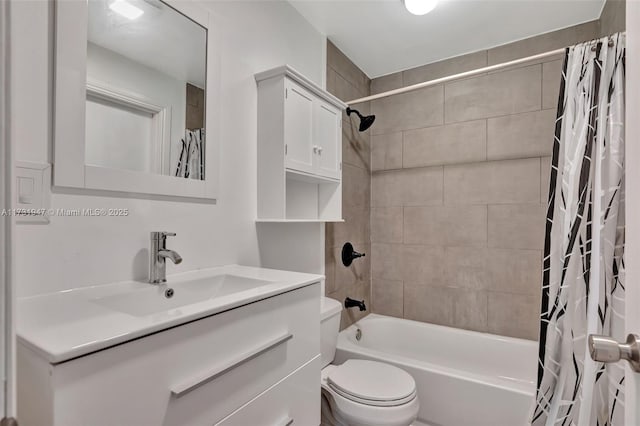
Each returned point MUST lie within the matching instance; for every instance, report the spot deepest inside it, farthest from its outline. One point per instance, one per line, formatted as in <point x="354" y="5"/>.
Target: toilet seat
<point x="372" y="383"/>
<point x="370" y="393"/>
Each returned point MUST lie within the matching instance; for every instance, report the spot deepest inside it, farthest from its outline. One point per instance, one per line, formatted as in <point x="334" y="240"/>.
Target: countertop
<point x="68" y="324"/>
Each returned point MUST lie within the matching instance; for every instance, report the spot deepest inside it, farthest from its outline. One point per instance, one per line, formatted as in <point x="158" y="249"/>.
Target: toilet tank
<point x="330" y="310"/>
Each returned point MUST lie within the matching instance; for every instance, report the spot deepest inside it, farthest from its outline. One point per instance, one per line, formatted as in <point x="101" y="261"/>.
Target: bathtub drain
<point x="358" y="334"/>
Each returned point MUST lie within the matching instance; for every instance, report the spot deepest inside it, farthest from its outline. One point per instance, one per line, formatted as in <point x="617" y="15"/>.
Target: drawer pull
<point x="186" y="387"/>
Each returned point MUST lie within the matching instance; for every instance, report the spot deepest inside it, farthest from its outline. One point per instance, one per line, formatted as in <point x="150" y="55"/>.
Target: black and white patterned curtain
<point x="192" y="155"/>
<point x="583" y="278"/>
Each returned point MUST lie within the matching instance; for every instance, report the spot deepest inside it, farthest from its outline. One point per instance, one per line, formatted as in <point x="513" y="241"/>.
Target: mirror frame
<point x="69" y="116"/>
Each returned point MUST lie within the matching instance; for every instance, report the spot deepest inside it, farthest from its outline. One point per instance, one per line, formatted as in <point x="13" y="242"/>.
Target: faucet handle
<point x="161" y="235"/>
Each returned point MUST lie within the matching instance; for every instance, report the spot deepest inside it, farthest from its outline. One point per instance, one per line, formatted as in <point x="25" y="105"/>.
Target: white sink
<point x="156" y="299"/>
<point x="67" y="324"/>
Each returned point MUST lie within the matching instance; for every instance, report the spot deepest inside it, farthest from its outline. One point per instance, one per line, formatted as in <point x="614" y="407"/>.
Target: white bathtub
<point x="464" y="378"/>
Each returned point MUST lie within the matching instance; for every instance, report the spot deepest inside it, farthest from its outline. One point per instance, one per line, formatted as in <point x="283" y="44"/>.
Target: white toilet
<point x="359" y="392"/>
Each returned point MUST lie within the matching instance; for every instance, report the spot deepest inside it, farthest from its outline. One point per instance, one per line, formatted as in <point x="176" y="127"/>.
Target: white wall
<point x="81" y="251"/>
<point x="7" y="407"/>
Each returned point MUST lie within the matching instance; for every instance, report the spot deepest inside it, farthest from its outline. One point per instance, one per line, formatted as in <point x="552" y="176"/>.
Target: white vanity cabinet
<point x="299" y="149"/>
<point x="257" y="364"/>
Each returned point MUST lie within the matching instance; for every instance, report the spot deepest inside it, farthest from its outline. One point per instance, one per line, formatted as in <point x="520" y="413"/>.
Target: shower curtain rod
<point x="456" y="76"/>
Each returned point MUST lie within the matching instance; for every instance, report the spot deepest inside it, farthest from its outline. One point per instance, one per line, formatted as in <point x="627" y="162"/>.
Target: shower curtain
<point x="583" y="276"/>
<point x="191" y="159"/>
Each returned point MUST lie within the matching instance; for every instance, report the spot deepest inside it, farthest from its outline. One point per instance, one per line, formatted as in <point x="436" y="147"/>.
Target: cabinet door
<point x="328" y="140"/>
<point x="298" y="128"/>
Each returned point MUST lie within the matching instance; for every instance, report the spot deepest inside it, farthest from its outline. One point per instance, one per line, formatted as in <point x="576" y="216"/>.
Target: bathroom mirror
<point x="146" y="74"/>
<point x="133" y="109"/>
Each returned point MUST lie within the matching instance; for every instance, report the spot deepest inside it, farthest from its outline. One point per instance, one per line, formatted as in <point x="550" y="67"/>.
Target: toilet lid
<point x="372" y="383"/>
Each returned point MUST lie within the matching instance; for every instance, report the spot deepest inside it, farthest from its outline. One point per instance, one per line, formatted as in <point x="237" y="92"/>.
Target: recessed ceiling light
<point x="420" y="7"/>
<point x="126" y="9"/>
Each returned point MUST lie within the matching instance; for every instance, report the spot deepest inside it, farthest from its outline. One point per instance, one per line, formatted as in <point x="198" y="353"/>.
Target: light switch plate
<point x="32" y="192"/>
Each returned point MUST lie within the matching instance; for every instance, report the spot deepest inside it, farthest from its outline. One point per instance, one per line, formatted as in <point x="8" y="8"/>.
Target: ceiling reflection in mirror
<point x="146" y="75"/>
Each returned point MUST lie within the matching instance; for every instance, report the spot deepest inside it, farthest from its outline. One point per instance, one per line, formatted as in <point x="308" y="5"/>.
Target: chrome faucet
<point x="159" y="255"/>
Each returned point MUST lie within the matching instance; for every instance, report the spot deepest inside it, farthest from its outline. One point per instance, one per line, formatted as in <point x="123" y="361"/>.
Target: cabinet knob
<point x="320" y="150"/>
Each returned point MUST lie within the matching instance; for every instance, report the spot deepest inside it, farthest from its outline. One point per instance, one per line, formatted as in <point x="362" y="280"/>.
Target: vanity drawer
<point x="294" y="401"/>
<point x="195" y="374"/>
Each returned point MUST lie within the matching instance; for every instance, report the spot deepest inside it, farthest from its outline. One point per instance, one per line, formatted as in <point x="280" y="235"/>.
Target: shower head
<point x="365" y="122"/>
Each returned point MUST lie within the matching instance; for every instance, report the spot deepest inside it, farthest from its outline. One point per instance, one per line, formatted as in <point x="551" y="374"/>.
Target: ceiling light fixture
<point x="126" y="9"/>
<point x="420" y="7"/>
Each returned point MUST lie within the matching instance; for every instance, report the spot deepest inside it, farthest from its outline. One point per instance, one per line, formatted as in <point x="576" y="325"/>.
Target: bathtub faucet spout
<point x="351" y="303"/>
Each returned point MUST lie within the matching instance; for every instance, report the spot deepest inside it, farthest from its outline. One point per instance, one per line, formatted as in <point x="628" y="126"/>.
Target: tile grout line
<point x="443" y="186"/>
<point x="540" y="186"/>
<point x="463" y="163"/>
<point x="444" y="107"/>
<point x="453" y="123"/>
<point x="541" y="86"/>
<point x="486" y="140"/>
<point x="402" y="150"/>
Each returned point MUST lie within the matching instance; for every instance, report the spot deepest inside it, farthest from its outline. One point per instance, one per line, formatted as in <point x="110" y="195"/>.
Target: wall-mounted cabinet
<point x="299" y="149"/>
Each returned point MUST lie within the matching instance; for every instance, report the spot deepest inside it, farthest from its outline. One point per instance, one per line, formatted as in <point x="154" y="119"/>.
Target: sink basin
<point x="155" y="299"/>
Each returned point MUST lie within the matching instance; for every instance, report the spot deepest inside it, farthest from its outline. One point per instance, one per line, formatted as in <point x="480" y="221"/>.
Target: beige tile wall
<point x="446" y="193"/>
<point x="346" y="81"/>
<point x="612" y="19"/>
<point x="459" y="187"/>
